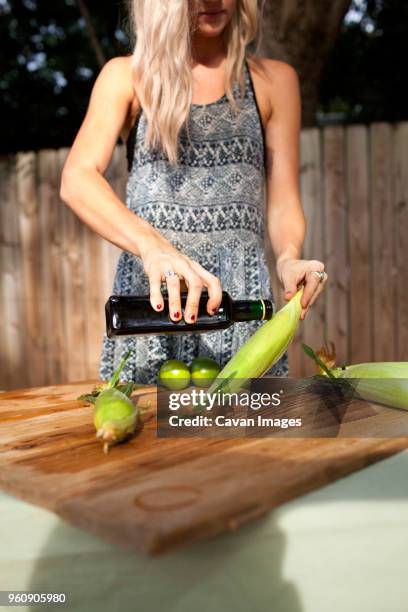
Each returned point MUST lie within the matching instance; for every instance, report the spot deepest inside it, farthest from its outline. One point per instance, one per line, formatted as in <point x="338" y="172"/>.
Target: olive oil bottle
<point x="128" y="315"/>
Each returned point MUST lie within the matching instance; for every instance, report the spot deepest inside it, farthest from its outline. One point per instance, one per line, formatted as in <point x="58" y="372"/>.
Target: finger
<point x="195" y="287"/>
<point x="316" y="265"/>
<point x="290" y="288"/>
<point x="173" y="291"/>
<point x="156" y="297"/>
<point x="313" y="298"/>
<point x="193" y="300"/>
<point x="312" y="282"/>
<point x="304" y="313"/>
<point x="316" y="294"/>
<point x="213" y="285"/>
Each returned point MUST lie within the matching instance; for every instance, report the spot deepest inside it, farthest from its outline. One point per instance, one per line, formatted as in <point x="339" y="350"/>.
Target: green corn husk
<point x="263" y="349"/>
<point x="383" y="383"/>
<point x="126" y="387"/>
<point x="115" y="417"/>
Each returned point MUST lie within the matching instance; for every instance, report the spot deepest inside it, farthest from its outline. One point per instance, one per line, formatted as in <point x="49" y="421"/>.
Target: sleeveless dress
<point x="212" y="208"/>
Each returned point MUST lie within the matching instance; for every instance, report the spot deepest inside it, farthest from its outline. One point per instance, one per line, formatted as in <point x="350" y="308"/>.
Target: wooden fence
<point x="55" y="274"/>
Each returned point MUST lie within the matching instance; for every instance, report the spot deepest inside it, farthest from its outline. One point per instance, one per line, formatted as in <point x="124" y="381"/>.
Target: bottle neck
<point x="252" y="310"/>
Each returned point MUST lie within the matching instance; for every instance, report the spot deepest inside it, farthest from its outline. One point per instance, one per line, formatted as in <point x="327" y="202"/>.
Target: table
<point x="342" y="547"/>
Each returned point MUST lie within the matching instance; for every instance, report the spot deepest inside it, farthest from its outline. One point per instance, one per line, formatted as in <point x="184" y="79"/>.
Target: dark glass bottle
<point x="127" y="315"/>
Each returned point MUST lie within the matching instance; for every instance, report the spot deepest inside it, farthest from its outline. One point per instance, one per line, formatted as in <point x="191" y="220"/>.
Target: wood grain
<point x="361" y="329"/>
<point x="13" y="356"/>
<point x="401" y="242"/>
<point x="74" y="290"/>
<point x="50" y="213"/>
<point x="335" y="210"/>
<point x="6" y="196"/>
<point x="28" y="213"/>
<point x="314" y="327"/>
<point x="354" y="190"/>
<point x="154" y="494"/>
<point x="382" y="242"/>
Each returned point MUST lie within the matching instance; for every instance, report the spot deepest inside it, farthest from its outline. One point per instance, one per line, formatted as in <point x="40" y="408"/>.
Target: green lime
<point x="203" y="371"/>
<point x="174" y="375"/>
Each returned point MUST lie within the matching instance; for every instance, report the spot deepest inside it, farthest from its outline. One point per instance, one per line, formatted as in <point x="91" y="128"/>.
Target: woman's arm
<point x="83" y="187"/>
<point x="286" y="221"/>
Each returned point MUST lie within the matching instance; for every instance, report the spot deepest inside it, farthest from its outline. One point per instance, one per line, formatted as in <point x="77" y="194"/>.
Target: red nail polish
<point x="158" y="306"/>
<point x="192" y="317"/>
<point x="176" y="314"/>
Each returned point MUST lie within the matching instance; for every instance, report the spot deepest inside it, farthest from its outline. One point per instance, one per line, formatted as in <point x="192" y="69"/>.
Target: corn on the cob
<point x="115" y="418"/>
<point x="263" y="349"/>
<point x="383" y="383"/>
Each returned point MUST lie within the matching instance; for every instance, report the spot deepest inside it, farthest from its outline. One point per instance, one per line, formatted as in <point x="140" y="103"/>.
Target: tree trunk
<point x="93" y="37"/>
<point x="302" y="33"/>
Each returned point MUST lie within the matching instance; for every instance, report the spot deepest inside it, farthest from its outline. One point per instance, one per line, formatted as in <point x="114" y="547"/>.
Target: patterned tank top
<point x="212" y="208"/>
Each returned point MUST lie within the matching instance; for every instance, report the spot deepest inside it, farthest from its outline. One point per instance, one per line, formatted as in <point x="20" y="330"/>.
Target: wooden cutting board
<point x="154" y="494"/>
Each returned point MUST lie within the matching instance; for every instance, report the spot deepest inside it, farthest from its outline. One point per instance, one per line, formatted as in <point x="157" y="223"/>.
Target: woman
<point x="210" y="130"/>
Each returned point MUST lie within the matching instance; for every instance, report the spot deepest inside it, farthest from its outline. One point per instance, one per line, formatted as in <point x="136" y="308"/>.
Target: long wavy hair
<point x="162" y="62"/>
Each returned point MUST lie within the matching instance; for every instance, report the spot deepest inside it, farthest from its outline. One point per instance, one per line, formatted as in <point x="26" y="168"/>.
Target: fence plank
<point x="314" y="332"/>
<point x="401" y="242"/>
<point x="45" y="285"/>
<point x="335" y="203"/>
<point x="75" y="291"/>
<point x="55" y="274"/>
<point x="6" y="166"/>
<point x="382" y="242"/>
<point x="51" y="263"/>
<point x="4" y="195"/>
<point x="12" y="362"/>
<point x="28" y="212"/>
<point x="361" y="330"/>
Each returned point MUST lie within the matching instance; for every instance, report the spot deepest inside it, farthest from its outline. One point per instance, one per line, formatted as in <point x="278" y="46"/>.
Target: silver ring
<point x="169" y="273"/>
<point x="321" y="275"/>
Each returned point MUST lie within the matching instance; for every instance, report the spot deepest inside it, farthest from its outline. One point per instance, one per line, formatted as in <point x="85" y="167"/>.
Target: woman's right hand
<point x="159" y="257"/>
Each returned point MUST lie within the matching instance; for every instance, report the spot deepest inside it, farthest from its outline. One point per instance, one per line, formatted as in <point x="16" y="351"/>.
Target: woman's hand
<point x="295" y="272"/>
<point x="160" y="259"/>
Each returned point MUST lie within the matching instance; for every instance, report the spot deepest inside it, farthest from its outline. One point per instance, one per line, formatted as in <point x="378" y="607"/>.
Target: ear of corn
<point x="263" y="349"/>
<point x="386" y="369"/>
<point x="115" y="417"/>
<point x="382" y="383"/>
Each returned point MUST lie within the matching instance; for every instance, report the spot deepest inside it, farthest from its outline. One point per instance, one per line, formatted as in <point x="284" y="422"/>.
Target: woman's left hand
<point x="295" y="272"/>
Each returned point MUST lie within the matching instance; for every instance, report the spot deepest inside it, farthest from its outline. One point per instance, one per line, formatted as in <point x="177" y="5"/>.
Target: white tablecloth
<point x="341" y="548"/>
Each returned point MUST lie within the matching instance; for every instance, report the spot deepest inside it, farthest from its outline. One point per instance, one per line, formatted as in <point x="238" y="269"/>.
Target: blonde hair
<point x="162" y="63"/>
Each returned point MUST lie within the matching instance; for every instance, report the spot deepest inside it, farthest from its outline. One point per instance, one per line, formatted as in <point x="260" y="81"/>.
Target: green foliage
<point x="48" y="66"/>
<point x="365" y="77"/>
